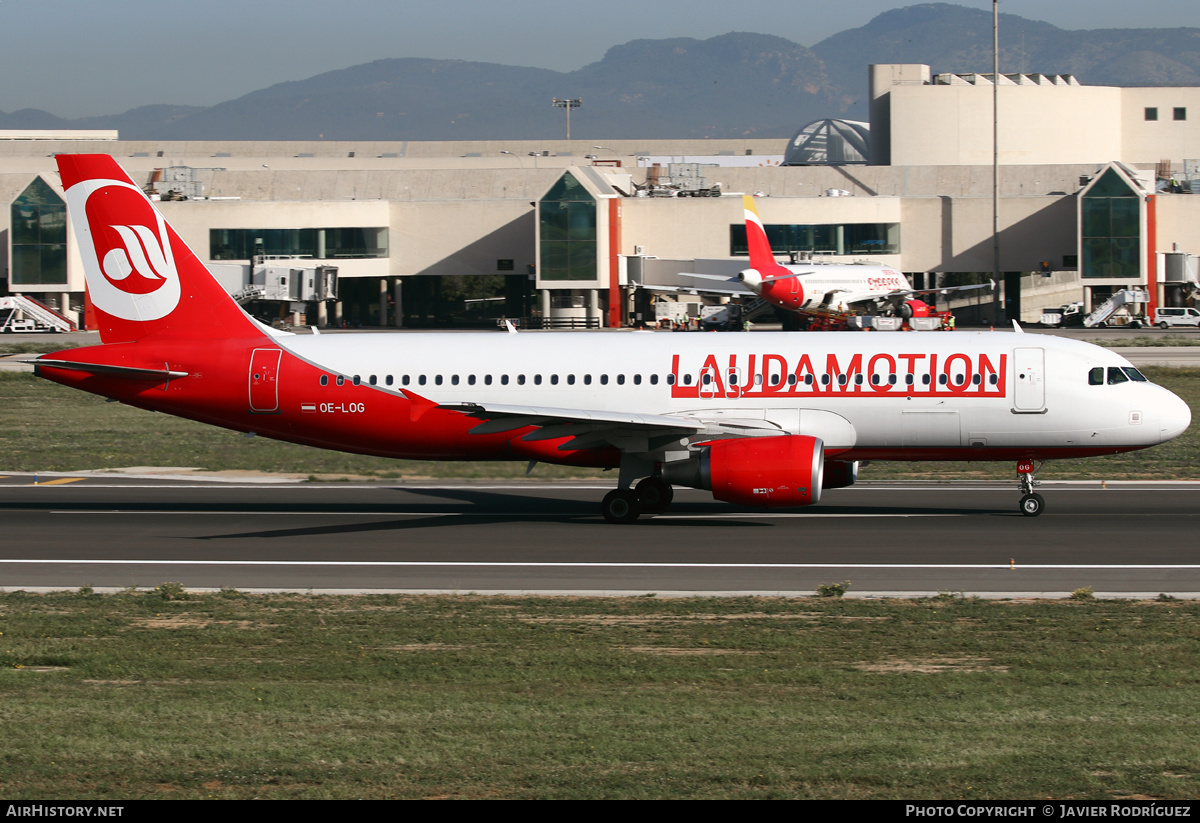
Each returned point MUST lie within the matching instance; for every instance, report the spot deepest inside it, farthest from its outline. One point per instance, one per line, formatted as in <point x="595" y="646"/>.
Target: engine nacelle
<point x="752" y="278"/>
<point x="916" y="308"/>
<point x="839" y="474"/>
<point x="757" y="471"/>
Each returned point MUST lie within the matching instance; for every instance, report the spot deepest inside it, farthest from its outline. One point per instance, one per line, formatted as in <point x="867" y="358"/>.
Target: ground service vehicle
<point x="1165" y="318"/>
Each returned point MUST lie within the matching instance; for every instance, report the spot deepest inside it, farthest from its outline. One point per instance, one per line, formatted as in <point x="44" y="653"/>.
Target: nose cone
<point x="1174" y="416"/>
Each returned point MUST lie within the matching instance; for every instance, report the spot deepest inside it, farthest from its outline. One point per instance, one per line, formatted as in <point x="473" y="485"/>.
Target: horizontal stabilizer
<point x="128" y="372"/>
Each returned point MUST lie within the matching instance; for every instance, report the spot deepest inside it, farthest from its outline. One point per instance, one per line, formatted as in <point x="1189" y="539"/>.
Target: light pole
<point x="606" y="148"/>
<point x="568" y="105"/>
<point x="520" y="162"/>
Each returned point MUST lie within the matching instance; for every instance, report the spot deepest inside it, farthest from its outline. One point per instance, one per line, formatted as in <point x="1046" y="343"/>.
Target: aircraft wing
<point x="730" y="292"/>
<point x="634" y="433"/>
<point x="904" y="293"/>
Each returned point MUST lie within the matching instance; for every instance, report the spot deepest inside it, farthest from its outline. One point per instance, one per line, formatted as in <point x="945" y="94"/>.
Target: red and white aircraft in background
<point x="767" y="419"/>
<point x="823" y="290"/>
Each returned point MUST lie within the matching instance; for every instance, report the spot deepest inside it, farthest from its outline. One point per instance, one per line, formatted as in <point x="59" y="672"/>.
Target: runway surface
<point x="1129" y="539"/>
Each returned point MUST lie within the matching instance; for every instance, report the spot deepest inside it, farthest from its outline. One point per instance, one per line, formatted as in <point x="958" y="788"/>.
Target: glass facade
<point x="1111" y="223"/>
<point x="322" y="244"/>
<point x="829" y="238"/>
<point x="39" y="238"/>
<point x="567" y="221"/>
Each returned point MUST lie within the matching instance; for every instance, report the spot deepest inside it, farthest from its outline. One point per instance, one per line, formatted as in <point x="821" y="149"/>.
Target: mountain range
<point x="734" y="85"/>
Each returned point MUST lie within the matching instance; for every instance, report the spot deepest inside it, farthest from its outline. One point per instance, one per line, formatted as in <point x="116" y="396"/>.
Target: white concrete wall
<point x="1149" y="141"/>
<point x="940" y="125"/>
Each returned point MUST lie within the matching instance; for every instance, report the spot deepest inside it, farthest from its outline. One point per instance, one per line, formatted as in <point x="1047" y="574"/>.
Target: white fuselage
<point x="897" y="395"/>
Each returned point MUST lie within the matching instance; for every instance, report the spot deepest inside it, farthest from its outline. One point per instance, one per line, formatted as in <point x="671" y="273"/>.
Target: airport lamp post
<point x="568" y="105"/>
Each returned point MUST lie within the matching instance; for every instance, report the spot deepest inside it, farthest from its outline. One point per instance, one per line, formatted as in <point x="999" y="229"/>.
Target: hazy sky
<point x="76" y="58"/>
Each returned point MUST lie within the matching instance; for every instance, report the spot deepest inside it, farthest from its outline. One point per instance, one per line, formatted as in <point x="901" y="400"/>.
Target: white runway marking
<point x="594" y="564"/>
<point x="515" y="515"/>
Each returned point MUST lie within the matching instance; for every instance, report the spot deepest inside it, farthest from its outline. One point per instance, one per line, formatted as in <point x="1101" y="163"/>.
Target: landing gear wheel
<point x="654" y="495"/>
<point x="621" y="506"/>
<point x="1032" y="505"/>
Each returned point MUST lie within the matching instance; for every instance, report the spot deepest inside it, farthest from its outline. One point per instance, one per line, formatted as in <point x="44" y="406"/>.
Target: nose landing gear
<point x="1032" y="503"/>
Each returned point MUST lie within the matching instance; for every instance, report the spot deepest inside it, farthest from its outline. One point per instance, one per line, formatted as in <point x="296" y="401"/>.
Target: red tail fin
<point x="142" y="279"/>
<point x="756" y="238"/>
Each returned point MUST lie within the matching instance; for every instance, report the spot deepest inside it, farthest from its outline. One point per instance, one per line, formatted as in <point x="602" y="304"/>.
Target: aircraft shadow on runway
<point x="492" y="507"/>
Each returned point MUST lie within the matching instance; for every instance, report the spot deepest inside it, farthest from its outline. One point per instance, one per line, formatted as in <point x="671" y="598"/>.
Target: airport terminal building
<point x="1094" y="190"/>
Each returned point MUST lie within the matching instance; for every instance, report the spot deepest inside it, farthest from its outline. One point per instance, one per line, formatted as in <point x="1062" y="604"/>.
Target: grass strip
<point x="300" y="696"/>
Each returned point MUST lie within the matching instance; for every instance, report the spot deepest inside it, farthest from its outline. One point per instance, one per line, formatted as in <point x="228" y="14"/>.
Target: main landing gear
<point x="651" y="495"/>
<point x="1032" y="503"/>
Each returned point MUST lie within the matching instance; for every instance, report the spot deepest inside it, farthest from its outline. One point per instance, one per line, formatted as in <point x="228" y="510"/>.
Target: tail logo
<point x="142" y="255"/>
<point x="127" y="254"/>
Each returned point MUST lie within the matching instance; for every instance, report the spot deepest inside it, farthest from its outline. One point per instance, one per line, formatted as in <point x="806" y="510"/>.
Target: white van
<point x="1165" y="318"/>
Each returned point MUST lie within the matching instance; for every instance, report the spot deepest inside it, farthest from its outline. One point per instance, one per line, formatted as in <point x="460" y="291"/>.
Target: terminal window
<point x="322" y="244"/>
<point x="38" y="228"/>
<point x="832" y="238"/>
<point x="1180" y="113"/>
<point x="1151" y="114"/>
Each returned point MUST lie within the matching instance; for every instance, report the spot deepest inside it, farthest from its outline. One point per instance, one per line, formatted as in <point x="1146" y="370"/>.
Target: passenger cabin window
<point x="324" y="380"/>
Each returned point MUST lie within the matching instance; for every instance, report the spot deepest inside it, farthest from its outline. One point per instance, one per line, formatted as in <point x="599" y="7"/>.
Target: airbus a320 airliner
<point x="828" y="291"/>
<point x="764" y="419"/>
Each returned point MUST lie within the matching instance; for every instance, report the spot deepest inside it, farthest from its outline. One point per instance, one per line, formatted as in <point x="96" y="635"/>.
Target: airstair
<point x="18" y="307"/>
<point x="1110" y="306"/>
<point x="756" y="308"/>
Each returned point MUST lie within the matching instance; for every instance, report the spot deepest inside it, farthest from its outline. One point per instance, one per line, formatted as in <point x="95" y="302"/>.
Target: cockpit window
<point x="1115" y="376"/>
<point x="1096" y="376"/>
<point x="1134" y="374"/>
